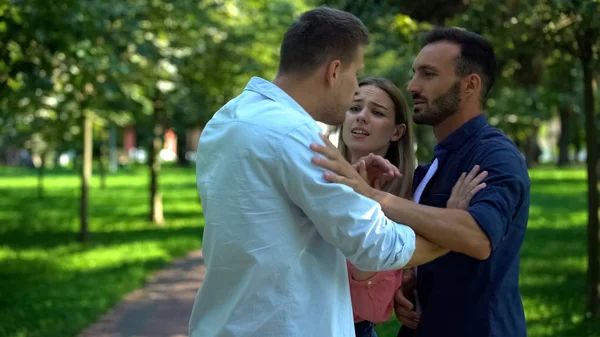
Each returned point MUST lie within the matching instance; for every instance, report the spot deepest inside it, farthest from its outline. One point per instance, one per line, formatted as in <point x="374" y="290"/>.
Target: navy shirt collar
<point x="453" y="142"/>
<point x="458" y="138"/>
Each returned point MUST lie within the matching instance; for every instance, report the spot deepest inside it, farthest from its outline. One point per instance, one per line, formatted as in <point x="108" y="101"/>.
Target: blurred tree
<point x="52" y="62"/>
<point x="579" y="19"/>
<point x="155" y="62"/>
<point x="539" y="44"/>
<point x="568" y="30"/>
<point x="394" y="45"/>
<point x="181" y="73"/>
<point x="550" y="35"/>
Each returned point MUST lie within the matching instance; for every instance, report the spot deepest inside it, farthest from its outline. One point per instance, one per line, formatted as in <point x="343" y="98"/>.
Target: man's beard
<point x="334" y="113"/>
<point x="441" y="108"/>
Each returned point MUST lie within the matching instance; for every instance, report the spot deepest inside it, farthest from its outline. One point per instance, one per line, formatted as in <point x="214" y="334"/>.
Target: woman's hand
<point x="376" y="170"/>
<point x="465" y="188"/>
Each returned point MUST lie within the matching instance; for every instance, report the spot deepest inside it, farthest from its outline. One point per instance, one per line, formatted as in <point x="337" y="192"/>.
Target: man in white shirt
<point x="277" y="234"/>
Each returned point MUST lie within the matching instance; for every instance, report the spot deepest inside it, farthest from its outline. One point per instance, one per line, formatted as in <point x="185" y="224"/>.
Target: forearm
<point x="453" y="229"/>
<point x="379" y="247"/>
<point x="425" y="251"/>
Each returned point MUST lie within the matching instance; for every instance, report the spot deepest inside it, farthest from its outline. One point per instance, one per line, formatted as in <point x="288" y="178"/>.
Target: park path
<point x="161" y="309"/>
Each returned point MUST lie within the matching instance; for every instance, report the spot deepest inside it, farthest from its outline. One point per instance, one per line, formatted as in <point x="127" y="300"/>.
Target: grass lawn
<point x="53" y="286"/>
<point x="553" y="258"/>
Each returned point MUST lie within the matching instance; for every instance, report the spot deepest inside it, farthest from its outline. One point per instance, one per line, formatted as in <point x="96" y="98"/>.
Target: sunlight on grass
<point x="540" y="217"/>
<point x="558" y="174"/>
<point x="54" y="286"/>
<point x="107" y="256"/>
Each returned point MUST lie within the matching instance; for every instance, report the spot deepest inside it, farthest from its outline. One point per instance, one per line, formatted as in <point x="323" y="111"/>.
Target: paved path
<point x="161" y="309"/>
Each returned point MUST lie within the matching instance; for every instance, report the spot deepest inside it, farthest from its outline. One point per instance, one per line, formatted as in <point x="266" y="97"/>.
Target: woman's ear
<point x="399" y="131"/>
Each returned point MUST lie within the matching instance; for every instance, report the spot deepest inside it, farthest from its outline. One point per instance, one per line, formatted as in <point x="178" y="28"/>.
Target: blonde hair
<point x="401" y="153"/>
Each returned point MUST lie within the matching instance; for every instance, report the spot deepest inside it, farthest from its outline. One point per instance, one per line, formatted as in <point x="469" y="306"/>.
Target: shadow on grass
<point x="17" y="240"/>
<point x="558" y="198"/>
<point x="53" y="286"/>
<point x="553" y="280"/>
<point x="54" y="302"/>
<point x="542" y="182"/>
<point x="21" y="212"/>
<point x="547" y="244"/>
<point x="553" y="260"/>
<point x="585" y="328"/>
<point x="7" y="171"/>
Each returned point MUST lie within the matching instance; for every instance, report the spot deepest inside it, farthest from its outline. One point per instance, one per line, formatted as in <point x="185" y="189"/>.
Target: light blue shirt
<point x="277" y="234"/>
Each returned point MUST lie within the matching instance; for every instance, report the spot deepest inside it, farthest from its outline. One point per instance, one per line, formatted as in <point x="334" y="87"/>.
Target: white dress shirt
<point x="417" y="198"/>
<point x="276" y="234"/>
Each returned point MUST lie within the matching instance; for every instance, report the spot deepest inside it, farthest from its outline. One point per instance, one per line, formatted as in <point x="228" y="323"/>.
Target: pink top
<point x="373" y="299"/>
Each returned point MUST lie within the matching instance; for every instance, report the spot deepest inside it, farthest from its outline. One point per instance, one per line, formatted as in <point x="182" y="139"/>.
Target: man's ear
<point x="473" y="85"/>
<point x="333" y="72"/>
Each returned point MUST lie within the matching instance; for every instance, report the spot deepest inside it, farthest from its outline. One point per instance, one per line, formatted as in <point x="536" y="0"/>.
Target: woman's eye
<point x="355" y="109"/>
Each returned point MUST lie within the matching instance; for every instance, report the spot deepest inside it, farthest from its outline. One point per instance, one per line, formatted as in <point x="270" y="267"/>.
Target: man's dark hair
<point x="476" y="55"/>
<point x="318" y="36"/>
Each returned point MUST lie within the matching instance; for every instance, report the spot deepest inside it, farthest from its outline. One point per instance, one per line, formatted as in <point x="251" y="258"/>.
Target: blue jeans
<point x="365" y="329"/>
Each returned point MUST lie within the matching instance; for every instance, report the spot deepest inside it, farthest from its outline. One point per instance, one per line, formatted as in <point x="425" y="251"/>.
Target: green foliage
<point x="120" y="58"/>
<point x="245" y="43"/>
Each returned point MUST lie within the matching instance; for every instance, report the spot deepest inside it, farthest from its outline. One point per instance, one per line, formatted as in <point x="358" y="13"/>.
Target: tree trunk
<point x="156" y="211"/>
<point x="41" y="172"/>
<point x="532" y="152"/>
<point x="576" y="140"/>
<point x="180" y="131"/>
<point x="566" y="135"/>
<point x="593" y="233"/>
<point x="86" y="173"/>
<point x="112" y="141"/>
<point x="102" y="171"/>
<point x="102" y="158"/>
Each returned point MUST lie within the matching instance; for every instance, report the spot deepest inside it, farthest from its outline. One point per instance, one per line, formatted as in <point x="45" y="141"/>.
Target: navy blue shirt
<point x="460" y="295"/>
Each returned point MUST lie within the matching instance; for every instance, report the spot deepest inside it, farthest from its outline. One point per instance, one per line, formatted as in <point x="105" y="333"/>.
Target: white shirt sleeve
<point x="356" y="225"/>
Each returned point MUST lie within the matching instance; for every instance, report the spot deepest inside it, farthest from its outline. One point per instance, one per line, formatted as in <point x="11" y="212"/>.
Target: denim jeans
<point x="365" y="329"/>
